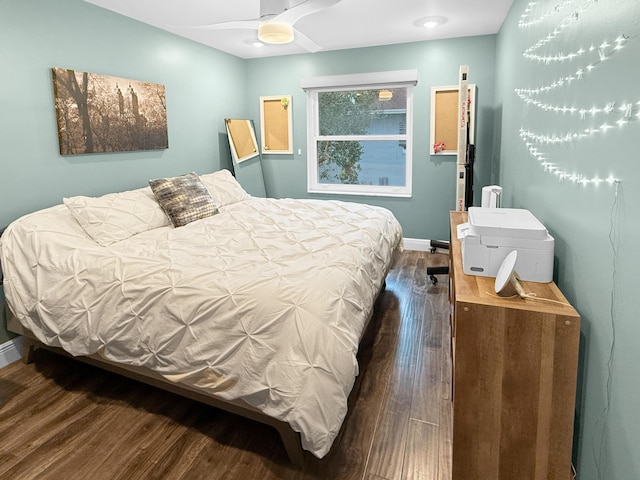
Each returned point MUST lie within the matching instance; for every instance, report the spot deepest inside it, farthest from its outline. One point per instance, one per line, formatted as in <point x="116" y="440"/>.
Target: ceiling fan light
<point x="275" y="32"/>
<point x="385" y="95"/>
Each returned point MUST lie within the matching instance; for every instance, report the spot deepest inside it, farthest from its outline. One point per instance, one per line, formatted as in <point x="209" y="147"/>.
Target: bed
<point x="253" y="305"/>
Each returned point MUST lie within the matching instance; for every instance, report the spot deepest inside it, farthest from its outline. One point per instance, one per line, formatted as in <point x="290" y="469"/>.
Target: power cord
<point x="600" y="456"/>
<point x="532" y="296"/>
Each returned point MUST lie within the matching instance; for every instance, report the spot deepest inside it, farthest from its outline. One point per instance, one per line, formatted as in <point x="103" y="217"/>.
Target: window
<point x="359" y="133"/>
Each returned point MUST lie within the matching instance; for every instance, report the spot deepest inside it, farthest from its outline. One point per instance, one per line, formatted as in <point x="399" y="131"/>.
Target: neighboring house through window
<point x="359" y="133"/>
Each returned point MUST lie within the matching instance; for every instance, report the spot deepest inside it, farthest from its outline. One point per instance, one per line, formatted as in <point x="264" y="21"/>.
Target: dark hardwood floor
<point x="62" y="419"/>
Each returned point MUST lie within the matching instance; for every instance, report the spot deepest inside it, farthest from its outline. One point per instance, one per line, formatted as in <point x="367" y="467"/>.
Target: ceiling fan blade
<point x="301" y="10"/>
<point x="305" y="42"/>
<point x="238" y="24"/>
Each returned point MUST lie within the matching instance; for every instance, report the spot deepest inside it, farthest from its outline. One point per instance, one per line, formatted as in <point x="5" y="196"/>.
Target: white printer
<point x="492" y="233"/>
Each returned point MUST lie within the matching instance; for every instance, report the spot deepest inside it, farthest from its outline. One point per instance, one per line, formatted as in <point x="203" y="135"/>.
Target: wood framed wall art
<point x="276" y="124"/>
<point x="444" y="112"/>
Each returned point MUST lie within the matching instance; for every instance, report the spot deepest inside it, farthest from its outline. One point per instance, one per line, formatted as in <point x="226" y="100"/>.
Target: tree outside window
<point x="359" y="140"/>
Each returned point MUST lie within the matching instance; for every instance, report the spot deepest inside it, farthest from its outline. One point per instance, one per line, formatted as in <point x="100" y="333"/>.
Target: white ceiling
<point x="346" y="24"/>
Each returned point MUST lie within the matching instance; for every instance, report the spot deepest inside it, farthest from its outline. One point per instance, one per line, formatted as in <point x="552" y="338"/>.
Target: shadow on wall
<point x="483" y="165"/>
<point x="494" y="177"/>
<point x="224" y="154"/>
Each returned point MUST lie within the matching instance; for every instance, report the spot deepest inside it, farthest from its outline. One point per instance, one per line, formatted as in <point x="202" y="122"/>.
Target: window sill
<point x="399" y="192"/>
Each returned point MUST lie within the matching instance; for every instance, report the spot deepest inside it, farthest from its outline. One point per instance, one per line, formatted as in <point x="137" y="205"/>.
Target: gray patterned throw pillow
<point x="184" y="198"/>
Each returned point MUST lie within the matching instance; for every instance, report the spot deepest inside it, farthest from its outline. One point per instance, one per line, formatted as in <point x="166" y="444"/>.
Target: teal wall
<point x="426" y="214"/>
<point x="597" y="234"/>
<point x="203" y="86"/>
<point x="596" y="230"/>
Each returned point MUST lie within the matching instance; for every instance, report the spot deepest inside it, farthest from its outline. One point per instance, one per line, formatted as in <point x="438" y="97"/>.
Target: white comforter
<point x="264" y="302"/>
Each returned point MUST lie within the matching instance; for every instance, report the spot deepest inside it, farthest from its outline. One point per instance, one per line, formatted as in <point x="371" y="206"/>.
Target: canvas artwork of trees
<point x="99" y="113"/>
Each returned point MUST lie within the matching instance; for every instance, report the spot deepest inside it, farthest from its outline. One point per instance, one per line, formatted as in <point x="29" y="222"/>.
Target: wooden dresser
<point x="514" y="378"/>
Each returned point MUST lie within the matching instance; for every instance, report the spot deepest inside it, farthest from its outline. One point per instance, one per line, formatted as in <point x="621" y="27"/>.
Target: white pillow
<point x="117" y="216"/>
<point x="223" y="187"/>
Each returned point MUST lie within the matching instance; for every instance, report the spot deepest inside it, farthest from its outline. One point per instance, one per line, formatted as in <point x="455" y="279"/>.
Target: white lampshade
<point x="507" y="280"/>
<point x="275" y="32"/>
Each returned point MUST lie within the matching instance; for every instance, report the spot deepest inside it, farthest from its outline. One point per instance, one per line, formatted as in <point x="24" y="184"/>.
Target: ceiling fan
<point x="277" y="20"/>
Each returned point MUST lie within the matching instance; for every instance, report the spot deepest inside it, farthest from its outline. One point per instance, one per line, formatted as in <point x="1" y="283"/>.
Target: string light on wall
<point x="526" y="22"/>
<point x="603" y="117"/>
<point x="563" y="25"/>
<point x="582" y="70"/>
<point x="629" y="111"/>
<point x="560" y="173"/>
<point x="602" y="52"/>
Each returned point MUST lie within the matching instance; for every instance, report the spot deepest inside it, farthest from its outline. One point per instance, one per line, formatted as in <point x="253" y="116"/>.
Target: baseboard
<point x="419" y="244"/>
<point x="10" y="351"/>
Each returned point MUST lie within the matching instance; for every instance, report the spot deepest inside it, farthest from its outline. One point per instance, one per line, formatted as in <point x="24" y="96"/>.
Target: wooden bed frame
<point x="290" y="438"/>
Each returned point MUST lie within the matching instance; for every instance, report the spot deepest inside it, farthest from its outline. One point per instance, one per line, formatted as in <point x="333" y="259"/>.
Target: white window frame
<point x="367" y="81"/>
